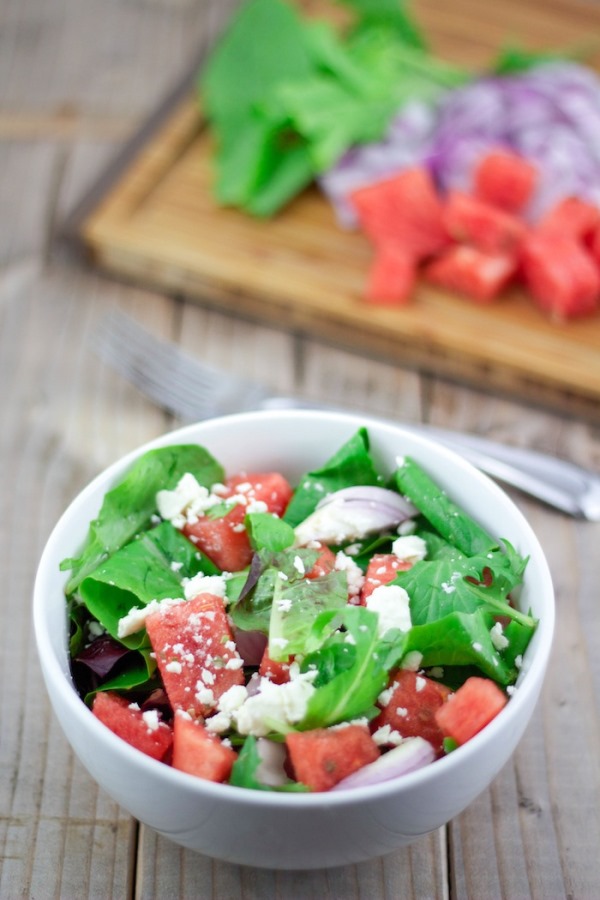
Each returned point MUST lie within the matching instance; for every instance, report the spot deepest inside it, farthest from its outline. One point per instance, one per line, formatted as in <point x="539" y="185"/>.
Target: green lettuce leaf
<point x="295" y="607"/>
<point x="151" y="567"/>
<point x="351" y="465"/>
<point x="128" y="508"/>
<point x="352" y="665"/>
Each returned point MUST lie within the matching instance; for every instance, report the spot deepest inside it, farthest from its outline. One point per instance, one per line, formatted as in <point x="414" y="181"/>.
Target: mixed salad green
<point x="317" y="624"/>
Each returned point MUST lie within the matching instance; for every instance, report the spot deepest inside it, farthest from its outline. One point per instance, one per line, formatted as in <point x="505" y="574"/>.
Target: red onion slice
<point x="410" y="755"/>
<point x="271" y="769"/>
<point x="354" y="513"/>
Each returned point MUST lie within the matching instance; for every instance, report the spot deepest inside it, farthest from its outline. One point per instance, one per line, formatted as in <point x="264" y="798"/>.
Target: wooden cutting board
<point x="154" y="221"/>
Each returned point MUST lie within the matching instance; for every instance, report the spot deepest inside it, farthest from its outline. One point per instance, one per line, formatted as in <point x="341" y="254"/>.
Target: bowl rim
<point x="57" y="677"/>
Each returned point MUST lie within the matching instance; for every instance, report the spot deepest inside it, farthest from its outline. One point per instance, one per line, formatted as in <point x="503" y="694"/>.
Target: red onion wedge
<point x="354" y="513"/>
<point x="271" y="769"/>
<point x="410" y="755"/>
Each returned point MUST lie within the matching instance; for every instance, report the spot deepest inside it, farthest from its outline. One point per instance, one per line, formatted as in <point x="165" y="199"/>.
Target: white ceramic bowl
<point x="277" y="830"/>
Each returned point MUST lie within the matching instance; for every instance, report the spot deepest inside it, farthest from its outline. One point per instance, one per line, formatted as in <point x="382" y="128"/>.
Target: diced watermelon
<point x="594" y="245"/>
<point x="412" y="706"/>
<point x="505" y="179"/>
<point x="571" y="217"/>
<point x="144" y="731"/>
<point x="198" y="752"/>
<point x="275" y="671"/>
<point x="224" y="539"/>
<point x="472" y="272"/>
<point x="382" y="568"/>
<point x="195" y="653"/>
<point x="472" y="221"/>
<point x="325" y="561"/>
<point x="324" y="756"/>
<point x="404" y="211"/>
<point x="561" y="275"/>
<point x="391" y="277"/>
<point x="471" y="708"/>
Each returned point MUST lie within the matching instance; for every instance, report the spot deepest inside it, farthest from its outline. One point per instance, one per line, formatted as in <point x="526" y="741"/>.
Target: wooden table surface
<point x="77" y="77"/>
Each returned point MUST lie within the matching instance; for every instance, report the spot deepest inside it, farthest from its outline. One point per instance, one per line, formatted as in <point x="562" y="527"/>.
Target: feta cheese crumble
<point x="410" y="548"/>
<point x="391" y="603"/>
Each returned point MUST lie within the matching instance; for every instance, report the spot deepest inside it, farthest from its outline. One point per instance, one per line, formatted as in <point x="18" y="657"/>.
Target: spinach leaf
<point x="351" y="665"/>
<point x="448" y="519"/>
<point x="268" y="532"/>
<point x="127" y="509"/>
<point x="459" y="639"/>
<point x="151" y="567"/>
<point x="462" y="584"/>
<point x="390" y="13"/>
<point x="351" y="465"/>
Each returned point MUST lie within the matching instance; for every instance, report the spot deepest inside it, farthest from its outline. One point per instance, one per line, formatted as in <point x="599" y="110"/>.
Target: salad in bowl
<point x="282" y="611"/>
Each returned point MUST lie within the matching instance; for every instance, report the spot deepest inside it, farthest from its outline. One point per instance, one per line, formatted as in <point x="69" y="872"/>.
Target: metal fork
<point x="192" y="390"/>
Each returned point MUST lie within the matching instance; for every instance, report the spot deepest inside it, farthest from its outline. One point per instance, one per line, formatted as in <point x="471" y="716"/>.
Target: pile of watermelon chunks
<point x="479" y="243"/>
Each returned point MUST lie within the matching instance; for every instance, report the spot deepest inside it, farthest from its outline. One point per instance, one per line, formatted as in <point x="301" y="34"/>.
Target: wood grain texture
<point x="71" y="72"/>
<point x="160" y="225"/>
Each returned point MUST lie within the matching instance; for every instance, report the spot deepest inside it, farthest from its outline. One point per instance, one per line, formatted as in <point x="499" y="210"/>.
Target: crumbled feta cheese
<point x="387" y="736"/>
<point x="151" y="719"/>
<point x="279" y="642"/>
<point x="385" y="696"/>
<point x="218" y="723"/>
<point x="236" y="662"/>
<point x="205" y="584"/>
<point x="174" y="666"/>
<point x="299" y="565"/>
<point x="204" y="695"/>
<point x="476" y="646"/>
<point x="186" y="503"/>
<point x="232" y="698"/>
<point x="499" y="639"/>
<point x="518" y="661"/>
<point x="420" y="683"/>
<point x="136" y="617"/>
<point x="410" y="548"/>
<point x="402" y="711"/>
<point x="412" y="661"/>
<point x="257" y="506"/>
<point x="391" y="603"/>
<point x="354" y="574"/>
<point x="284" y="703"/>
<point x="284" y="605"/>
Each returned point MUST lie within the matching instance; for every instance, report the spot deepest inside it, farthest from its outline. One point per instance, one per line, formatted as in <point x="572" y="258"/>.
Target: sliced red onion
<point x="354" y="513"/>
<point x="250" y="645"/>
<point x="271" y="769"/>
<point x="410" y="755"/>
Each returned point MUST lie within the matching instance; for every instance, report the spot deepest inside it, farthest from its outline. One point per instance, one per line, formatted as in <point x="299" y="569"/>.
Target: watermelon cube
<point x="224" y="539"/>
<point x="571" y="217"/>
<point x="471" y="708"/>
<point x="276" y="671"/>
<point x="143" y="730"/>
<point x="411" y="703"/>
<point x="382" y="568"/>
<point x="475" y="273"/>
<point x="470" y="220"/>
<point x="195" y="653"/>
<point x="325" y="562"/>
<point x="391" y="278"/>
<point x="324" y="756"/>
<point x="561" y="275"/>
<point x="505" y="179"/>
<point x="404" y="211"/>
<point x="200" y="753"/>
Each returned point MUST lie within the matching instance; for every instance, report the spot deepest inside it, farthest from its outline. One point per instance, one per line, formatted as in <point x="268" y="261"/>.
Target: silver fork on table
<point x="192" y="391"/>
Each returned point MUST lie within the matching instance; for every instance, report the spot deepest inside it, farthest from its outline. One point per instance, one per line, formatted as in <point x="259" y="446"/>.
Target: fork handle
<point x="557" y="482"/>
